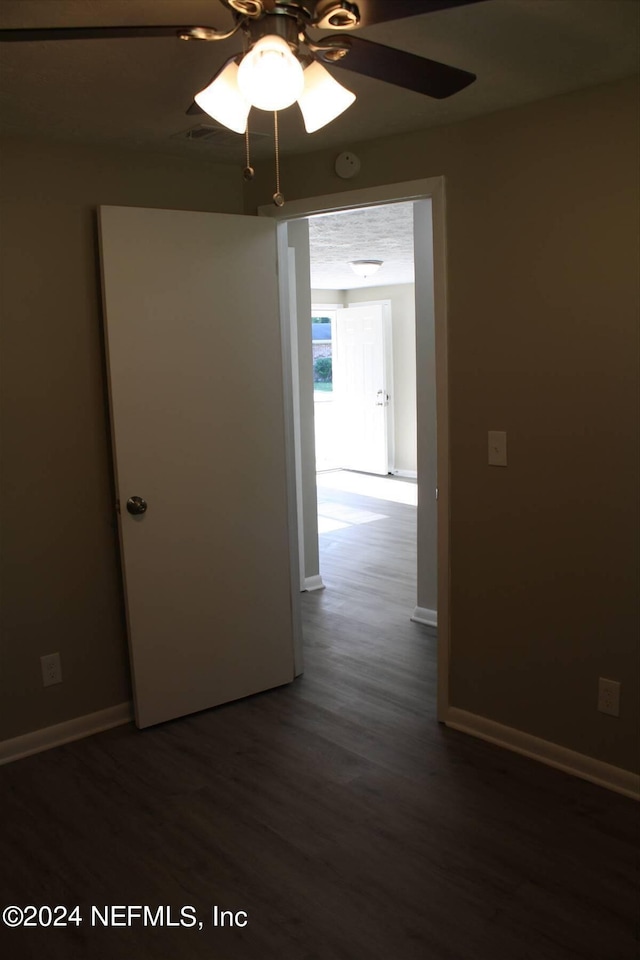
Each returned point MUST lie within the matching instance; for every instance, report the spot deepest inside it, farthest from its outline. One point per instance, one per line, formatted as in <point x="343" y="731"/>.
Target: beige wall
<point x="328" y="296"/>
<point x="542" y="235"/>
<point x="542" y="221"/>
<point x="60" y="578"/>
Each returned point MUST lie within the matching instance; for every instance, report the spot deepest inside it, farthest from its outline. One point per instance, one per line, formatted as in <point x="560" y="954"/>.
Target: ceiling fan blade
<point x="434" y="79"/>
<point x="378" y="11"/>
<point x="93" y="33"/>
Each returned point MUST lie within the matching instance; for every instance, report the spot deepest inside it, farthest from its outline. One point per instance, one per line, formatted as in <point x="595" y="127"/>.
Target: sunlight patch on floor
<point x="382" y="488"/>
<point x="337" y="516"/>
<point x="329" y="525"/>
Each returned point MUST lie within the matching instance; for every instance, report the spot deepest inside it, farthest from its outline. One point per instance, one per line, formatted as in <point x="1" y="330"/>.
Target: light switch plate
<point x="498" y="448"/>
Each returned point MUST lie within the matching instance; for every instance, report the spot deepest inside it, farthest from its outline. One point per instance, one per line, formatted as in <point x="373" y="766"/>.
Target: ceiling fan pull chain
<point x="278" y="199"/>
<point x="248" y="173"/>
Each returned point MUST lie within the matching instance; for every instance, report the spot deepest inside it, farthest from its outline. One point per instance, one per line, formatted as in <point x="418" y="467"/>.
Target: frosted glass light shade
<point x="366" y="268"/>
<point x="323" y="98"/>
<point x="270" y="77"/>
<point x="223" y="100"/>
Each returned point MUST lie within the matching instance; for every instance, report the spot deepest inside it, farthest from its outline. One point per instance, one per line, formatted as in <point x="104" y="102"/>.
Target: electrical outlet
<point x="609" y="696"/>
<point x="51" y="669"/>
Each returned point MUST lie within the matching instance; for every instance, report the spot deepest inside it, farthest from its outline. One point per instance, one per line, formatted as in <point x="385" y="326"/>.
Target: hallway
<point x="367" y="539"/>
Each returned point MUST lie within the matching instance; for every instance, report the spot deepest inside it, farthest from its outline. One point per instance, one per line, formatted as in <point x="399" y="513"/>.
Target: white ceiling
<point x="134" y="93"/>
<point x="375" y="233"/>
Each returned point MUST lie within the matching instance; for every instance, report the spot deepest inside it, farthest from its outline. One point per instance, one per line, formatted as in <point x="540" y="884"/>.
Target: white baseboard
<point x="409" y="474"/>
<point x="55" y="736"/>
<point x="577" y="764"/>
<point x="312" y="583"/>
<point x="426" y="616"/>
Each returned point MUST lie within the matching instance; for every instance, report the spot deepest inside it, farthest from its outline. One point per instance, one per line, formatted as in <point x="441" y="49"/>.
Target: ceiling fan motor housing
<point x="247" y="8"/>
<point x="287" y="21"/>
<point x="337" y="15"/>
<point x="286" y="26"/>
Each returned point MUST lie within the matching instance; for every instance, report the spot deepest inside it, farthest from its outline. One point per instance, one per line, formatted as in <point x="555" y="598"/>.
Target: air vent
<point x="212" y="134"/>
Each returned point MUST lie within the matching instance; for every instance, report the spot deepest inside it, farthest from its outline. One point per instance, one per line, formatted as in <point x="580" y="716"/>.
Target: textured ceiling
<point x="135" y="92"/>
<point x="375" y="233"/>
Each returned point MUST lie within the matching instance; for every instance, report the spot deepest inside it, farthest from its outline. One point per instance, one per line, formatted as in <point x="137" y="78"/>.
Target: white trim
<point x="441" y="329"/>
<point x="289" y="347"/>
<point x="569" y="761"/>
<point x="409" y="474"/>
<point x="351" y="199"/>
<point x="312" y="583"/>
<point x="428" y="617"/>
<point x="60" y="733"/>
<point x="290" y="320"/>
<point x="432" y="188"/>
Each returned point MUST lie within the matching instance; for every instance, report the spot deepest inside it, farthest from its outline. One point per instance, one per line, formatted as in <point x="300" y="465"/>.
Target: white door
<point x="196" y="391"/>
<point x="361" y="389"/>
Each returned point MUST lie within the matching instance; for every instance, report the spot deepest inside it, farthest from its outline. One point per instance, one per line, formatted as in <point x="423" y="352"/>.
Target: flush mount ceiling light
<point x="366" y="268"/>
<point x="281" y="64"/>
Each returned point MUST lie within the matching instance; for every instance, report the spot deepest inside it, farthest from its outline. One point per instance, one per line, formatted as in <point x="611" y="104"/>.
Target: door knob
<point x="136" y="505"/>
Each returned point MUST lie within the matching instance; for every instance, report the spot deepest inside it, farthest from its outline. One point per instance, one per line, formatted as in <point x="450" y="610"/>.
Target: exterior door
<point x="196" y="392"/>
<point x="360" y="387"/>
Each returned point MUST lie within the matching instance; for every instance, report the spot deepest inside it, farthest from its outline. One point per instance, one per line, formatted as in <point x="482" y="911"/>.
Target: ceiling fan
<point x="281" y="64"/>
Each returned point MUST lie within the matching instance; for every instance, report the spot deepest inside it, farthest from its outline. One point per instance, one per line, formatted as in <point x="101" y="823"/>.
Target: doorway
<point x="364" y="389"/>
<point x="427" y="197"/>
<point x="353" y="396"/>
<point x="363" y="338"/>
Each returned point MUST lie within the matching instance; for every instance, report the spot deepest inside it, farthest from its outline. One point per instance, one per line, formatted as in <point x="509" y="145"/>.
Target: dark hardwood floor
<point x="336" y="812"/>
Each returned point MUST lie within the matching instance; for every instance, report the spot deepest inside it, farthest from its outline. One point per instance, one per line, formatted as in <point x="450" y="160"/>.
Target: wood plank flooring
<point x="335" y="812"/>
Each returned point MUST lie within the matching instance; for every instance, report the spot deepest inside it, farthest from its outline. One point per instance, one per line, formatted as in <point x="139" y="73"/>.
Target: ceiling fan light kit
<point x="273" y="73"/>
<point x="323" y="98"/>
<point x="224" y="101"/>
<point x="269" y="76"/>
<point x="236" y="89"/>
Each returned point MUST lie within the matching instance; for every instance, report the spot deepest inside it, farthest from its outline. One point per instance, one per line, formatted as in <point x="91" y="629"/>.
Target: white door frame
<point x="428" y="189"/>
